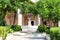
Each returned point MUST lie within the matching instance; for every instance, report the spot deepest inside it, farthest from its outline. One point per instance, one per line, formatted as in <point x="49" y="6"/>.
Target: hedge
<point x="55" y="33"/>
<point x="41" y="28"/>
<point x="4" y="31"/>
<point x="16" y="28"/>
<point x="47" y="30"/>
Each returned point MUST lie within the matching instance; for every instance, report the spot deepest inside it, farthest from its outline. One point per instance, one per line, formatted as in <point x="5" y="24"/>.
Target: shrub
<point x="55" y="33"/>
<point x="41" y="29"/>
<point x="47" y="30"/>
<point x="4" y="31"/>
<point x="16" y="28"/>
<point x="10" y="30"/>
<point x="58" y="35"/>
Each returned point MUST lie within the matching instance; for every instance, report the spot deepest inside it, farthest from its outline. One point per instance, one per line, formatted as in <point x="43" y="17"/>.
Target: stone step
<point x="26" y="36"/>
<point x="29" y="28"/>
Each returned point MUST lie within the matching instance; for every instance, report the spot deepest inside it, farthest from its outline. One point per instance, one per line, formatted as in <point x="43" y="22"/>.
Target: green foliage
<point x="42" y="8"/>
<point x="24" y="8"/>
<point x="47" y="30"/>
<point x="49" y="8"/>
<point x="1" y="18"/>
<point x="16" y="28"/>
<point x="4" y="30"/>
<point x="8" y="5"/>
<point x="29" y="9"/>
<point x="10" y="29"/>
<point x="55" y="33"/>
<point x="41" y="29"/>
<point x="45" y="8"/>
<point x="11" y="4"/>
<point x="24" y="0"/>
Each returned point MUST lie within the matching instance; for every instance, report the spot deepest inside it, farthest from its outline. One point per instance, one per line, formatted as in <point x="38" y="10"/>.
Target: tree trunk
<point x="56" y="23"/>
<point x="4" y="12"/>
<point x="14" y="18"/>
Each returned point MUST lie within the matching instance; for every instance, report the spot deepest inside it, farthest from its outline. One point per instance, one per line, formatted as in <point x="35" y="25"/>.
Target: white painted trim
<point x="39" y="20"/>
<point x="19" y="18"/>
<point x="34" y="0"/>
<point x="59" y="23"/>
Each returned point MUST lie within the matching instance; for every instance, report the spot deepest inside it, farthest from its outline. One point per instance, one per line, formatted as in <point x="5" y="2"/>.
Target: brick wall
<point x="9" y="18"/>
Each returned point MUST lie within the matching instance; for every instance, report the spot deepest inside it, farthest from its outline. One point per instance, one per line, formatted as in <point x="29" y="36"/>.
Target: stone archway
<point x="32" y="22"/>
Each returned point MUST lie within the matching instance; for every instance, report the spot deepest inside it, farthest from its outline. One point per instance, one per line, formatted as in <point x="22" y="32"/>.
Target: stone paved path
<point x="26" y="36"/>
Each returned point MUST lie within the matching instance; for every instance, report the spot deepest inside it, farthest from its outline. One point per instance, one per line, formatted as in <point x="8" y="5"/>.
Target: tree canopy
<point x="10" y="4"/>
<point x="29" y="7"/>
<point x="45" y="8"/>
<point x="7" y="5"/>
<point x="48" y="8"/>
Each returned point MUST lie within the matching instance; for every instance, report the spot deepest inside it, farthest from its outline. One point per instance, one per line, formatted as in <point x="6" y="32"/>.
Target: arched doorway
<point x="32" y="23"/>
<point x="44" y="23"/>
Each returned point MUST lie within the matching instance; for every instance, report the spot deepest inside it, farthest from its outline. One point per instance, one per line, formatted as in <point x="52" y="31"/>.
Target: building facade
<point x="27" y="21"/>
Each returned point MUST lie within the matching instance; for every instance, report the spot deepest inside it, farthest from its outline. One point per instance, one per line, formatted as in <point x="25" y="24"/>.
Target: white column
<point x="29" y="22"/>
<point x="0" y="38"/>
<point x="39" y="20"/>
<point x="59" y="23"/>
<point x="19" y="18"/>
<point x="34" y="0"/>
